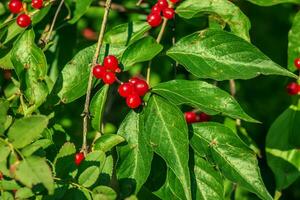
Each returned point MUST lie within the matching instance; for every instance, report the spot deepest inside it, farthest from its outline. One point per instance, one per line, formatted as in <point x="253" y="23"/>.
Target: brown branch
<point x="90" y="81"/>
<point x="120" y="8"/>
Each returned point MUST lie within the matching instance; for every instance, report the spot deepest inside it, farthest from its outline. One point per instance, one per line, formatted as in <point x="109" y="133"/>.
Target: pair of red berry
<point x="193" y="117"/>
<point x="161" y="7"/>
<point x="16" y="6"/>
<point x="133" y="91"/>
<point x="79" y="157"/>
<point x="107" y="71"/>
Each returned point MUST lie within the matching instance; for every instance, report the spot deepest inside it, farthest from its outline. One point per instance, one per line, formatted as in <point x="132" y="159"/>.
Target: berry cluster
<point x="16" y="7"/>
<point x="107" y="71"/>
<point x="294" y="88"/>
<point x="193" y="117"/>
<point x="79" y="157"/>
<point x="161" y="8"/>
<point x="133" y="90"/>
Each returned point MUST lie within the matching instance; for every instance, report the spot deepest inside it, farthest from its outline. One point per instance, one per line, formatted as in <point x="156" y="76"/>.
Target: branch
<point x="120" y="8"/>
<point x="89" y="88"/>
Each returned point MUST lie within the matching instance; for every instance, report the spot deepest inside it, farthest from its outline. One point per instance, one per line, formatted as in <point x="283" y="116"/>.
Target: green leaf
<point x="166" y="131"/>
<point x="294" y="42"/>
<point x="135" y="157"/>
<point x="104" y="193"/>
<point x="24" y="193"/>
<point x="221" y="55"/>
<point x="272" y="2"/>
<point x="25" y="130"/>
<point x="207" y="182"/>
<point x="97" y="107"/>
<point x="228" y="11"/>
<point x="92" y="166"/>
<point x="126" y="33"/>
<point x="64" y="160"/>
<point x="207" y="97"/>
<point x="34" y="170"/>
<point x="4" y="105"/>
<point x="136" y="53"/>
<point x="4" y="153"/>
<point x="282" y="157"/>
<point x="81" y="8"/>
<point x="5" y="59"/>
<point x="75" y="74"/>
<point x="7" y="196"/>
<point x="107" y="141"/>
<point x="40" y="144"/>
<point x="31" y="67"/>
<point x="9" y="185"/>
<point x="77" y="194"/>
<point x="235" y="160"/>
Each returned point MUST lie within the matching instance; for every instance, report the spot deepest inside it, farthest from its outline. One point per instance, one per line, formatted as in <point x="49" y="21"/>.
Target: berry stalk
<point x="89" y="88"/>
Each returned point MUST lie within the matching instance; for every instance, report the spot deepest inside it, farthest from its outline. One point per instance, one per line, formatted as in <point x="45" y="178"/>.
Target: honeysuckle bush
<point x="64" y="134"/>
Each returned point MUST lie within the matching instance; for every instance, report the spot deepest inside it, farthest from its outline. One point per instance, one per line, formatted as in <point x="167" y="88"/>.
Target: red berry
<point x="297" y="63"/>
<point x="162" y="4"/>
<point x="203" y="117"/>
<point x="15" y="6"/>
<point x="293" y="88"/>
<point x="37" y="4"/>
<point x="156" y="9"/>
<point x="141" y="87"/>
<point x="111" y="62"/>
<point x="126" y="89"/>
<point x="134" y="80"/>
<point x="168" y="13"/>
<point x="133" y="101"/>
<point x="89" y="34"/>
<point x="23" y="20"/>
<point x="79" y="157"/>
<point x="174" y="1"/>
<point x="154" y="19"/>
<point x="109" y="78"/>
<point x="99" y="71"/>
<point x="190" y="117"/>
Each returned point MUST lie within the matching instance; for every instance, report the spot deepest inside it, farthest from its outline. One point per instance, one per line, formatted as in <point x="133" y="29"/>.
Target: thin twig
<point x="53" y="22"/>
<point x="158" y="40"/>
<point x="89" y="88"/>
<point x="122" y="9"/>
<point x="139" y="2"/>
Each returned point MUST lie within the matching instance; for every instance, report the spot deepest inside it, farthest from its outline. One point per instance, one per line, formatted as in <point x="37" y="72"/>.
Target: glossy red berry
<point x="99" y="71"/>
<point x="79" y="157"/>
<point x="134" y="80"/>
<point x="15" y="6"/>
<point x="190" y="117"/>
<point x="162" y="4"/>
<point x="154" y="19"/>
<point x="37" y="4"/>
<point x="133" y="101"/>
<point x="168" y="13"/>
<point x="141" y="87"/>
<point x="293" y="88"/>
<point x="156" y="9"/>
<point x="174" y="1"/>
<point x="203" y="117"/>
<point x="109" y="78"/>
<point x="297" y="63"/>
<point x="126" y="89"/>
<point x="23" y="20"/>
<point x="111" y="62"/>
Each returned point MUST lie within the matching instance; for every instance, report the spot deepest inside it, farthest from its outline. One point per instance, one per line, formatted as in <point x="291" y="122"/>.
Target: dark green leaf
<point x="283" y="158"/>
<point x="104" y="193"/>
<point x="235" y="160"/>
<point x="80" y="9"/>
<point x="208" y="98"/>
<point x="97" y="107"/>
<point x="76" y="73"/>
<point x="34" y="170"/>
<point x="166" y="132"/>
<point x="228" y="11"/>
<point x="4" y="105"/>
<point x="221" y="55"/>
<point x="136" y="53"/>
<point x="207" y="182"/>
<point x="294" y="42"/>
<point x="273" y="2"/>
<point x="127" y="33"/>
<point x="107" y="141"/>
<point x="135" y="157"/>
<point x="26" y="130"/>
<point x="64" y="160"/>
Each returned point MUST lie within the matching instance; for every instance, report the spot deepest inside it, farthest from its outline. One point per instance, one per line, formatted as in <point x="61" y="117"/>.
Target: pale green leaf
<point x="107" y="141"/>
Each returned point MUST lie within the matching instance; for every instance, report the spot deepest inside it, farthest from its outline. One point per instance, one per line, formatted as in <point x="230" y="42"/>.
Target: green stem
<point x="12" y="148"/>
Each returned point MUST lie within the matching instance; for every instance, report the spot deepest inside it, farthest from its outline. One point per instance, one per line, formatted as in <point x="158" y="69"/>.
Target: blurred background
<point x="263" y="98"/>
